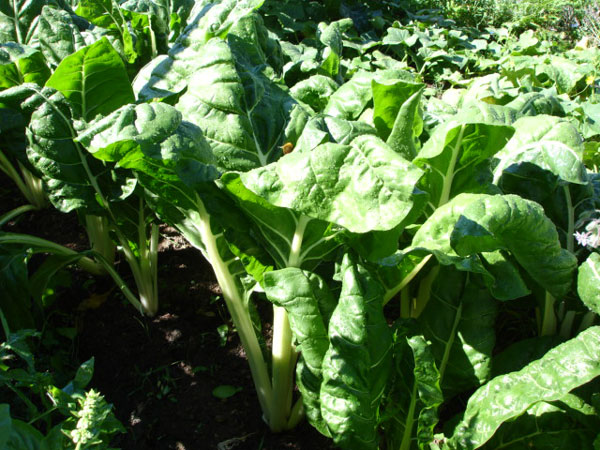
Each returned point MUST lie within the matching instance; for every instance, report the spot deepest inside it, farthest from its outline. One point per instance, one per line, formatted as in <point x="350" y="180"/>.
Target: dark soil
<point x="160" y="372"/>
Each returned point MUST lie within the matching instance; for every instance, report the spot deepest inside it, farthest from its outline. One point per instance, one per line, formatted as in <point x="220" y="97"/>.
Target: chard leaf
<point x="94" y="80"/>
<point x="74" y="180"/>
<point x="322" y="129"/>
<point x="242" y="113"/>
<point x="389" y="96"/>
<point x="107" y="14"/>
<point x="314" y="91"/>
<point x="453" y="152"/>
<point x="550" y="143"/>
<point x="57" y="35"/>
<point x="588" y="282"/>
<point x="459" y="321"/>
<point x="20" y="64"/>
<point x="17" y="18"/>
<point x="358" y="362"/>
<point x="290" y="239"/>
<point x="309" y="305"/>
<point x="169" y="74"/>
<point x="548" y="379"/>
<point x="349" y="101"/>
<point x="520" y="226"/>
<point x="364" y="186"/>
<point x="550" y="426"/>
<point x="411" y="406"/>
<point x="407" y="127"/>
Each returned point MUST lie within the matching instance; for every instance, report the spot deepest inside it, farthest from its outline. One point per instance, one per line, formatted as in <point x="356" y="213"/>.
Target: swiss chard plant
<point x="431" y="258"/>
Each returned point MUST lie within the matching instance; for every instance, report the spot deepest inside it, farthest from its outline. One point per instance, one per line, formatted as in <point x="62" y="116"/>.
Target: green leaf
<point x="520" y="226"/>
<point x="169" y="74"/>
<point x="548" y="426"/>
<point x="20" y="64"/>
<point x="314" y="91"/>
<point x="358" y="362"/>
<point x="242" y="113"/>
<point x="15" y="302"/>
<point x="72" y="178"/>
<point x="588" y="282"/>
<point x="548" y="379"/>
<point x="459" y="321"/>
<point x="410" y="413"/>
<point x="17" y="18"/>
<point x="550" y="143"/>
<point x="57" y="35"/>
<point x="389" y="96"/>
<point x="279" y="229"/>
<point x="309" y="305"/>
<point x="225" y="391"/>
<point x="363" y="186"/>
<point x="349" y="101"/>
<point x="5" y="424"/>
<point x="94" y="80"/>
<point x="454" y="151"/>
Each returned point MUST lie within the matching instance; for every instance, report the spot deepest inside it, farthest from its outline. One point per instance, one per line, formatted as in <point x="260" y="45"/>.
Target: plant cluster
<point x="405" y="193"/>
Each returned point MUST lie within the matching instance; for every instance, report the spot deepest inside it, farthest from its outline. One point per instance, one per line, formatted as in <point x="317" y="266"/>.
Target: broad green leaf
<point x="61" y="161"/>
<point x="314" y="91"/>
<point x="536" y="103"/>
<point x="168" y="75"/>
<point x="564" y="73"/>
<point x="24" y="437"/>
<point x="107" y="14"/>
<point x="548" y="379"/>
<point x="94" y="80"/>
<point x="309" y="305"/>
<point x="322" y="129"/>
<point x="410" y="413"/>
<point x="389" y="96"/>
<point x="242" y="114"/>
<point x="520" y="226"/>
<point x="17" y="18"/>
<point x="57" y="35"/>
<point x="331" y="36"/>
<point x="407" y="127"/>
<point x="588" y="282"/>
<point x="508" y="283"/>
<point x="20" y="64"/>
<point x="459" y="321"/>
<point x="350" y="100"/>
<point x="454" y="151"/>
<point x="290" y="239"/>
<point x="551" y="143"/>
<point x="549" y="426"/>
<point x="358" y="362"/>
<point x="364" y="186"/>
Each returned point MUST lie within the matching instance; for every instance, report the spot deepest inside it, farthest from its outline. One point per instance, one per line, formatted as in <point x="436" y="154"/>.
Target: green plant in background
<point x="40" y="414"/>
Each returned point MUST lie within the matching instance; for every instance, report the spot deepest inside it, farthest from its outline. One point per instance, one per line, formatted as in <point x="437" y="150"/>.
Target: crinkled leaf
<point x="279" y="227"/>
<point x="17" y="18"/>
<point x="548" y="379"/>
<point x="309" y="305"/>
<point x="520" y="226"/>
<point x="363" y="186"/>
<point x="455" y="149"/>
<point x="551" y="143"/>
<point x="314" y="91"/>
<point x="588" y="282"/>
<point x="57" y="35"/>
<point x="459" y="321"/>
<point x="357" y="364"/>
